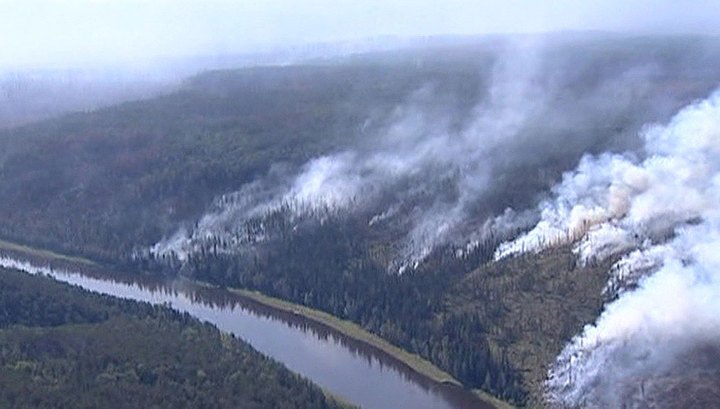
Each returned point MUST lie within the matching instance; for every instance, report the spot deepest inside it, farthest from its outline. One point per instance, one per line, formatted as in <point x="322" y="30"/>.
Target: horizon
<point x="78" y="33"/>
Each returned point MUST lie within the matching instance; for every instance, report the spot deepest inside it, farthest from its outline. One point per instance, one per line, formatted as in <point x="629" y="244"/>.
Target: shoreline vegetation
<point x="344" y="327"/>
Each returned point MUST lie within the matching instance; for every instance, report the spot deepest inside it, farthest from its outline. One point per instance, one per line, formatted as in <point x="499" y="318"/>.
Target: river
<point x="359" y="373"/>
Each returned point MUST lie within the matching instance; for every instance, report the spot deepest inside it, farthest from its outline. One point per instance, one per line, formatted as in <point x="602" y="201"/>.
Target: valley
<point x="450" y="225"/>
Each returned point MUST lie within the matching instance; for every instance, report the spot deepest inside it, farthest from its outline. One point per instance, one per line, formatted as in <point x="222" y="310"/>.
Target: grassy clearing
<point x="44" y="254"/>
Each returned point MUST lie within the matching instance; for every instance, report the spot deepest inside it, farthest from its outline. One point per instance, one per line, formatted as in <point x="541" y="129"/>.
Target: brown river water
<point x="359" y="373"/>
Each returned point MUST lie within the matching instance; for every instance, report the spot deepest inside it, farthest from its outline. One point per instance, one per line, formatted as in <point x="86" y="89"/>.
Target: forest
<point x="66" y="347"/>
<point x="110" y="184"/>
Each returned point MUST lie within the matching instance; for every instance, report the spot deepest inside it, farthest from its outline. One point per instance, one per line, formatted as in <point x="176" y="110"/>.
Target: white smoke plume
<point x="441" y="175"/>
<point x="419" y="151"/>
<point x="661" y="214"/>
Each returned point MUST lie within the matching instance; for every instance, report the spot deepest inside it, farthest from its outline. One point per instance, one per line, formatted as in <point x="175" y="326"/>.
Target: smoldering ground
<point x="658" y="210"/>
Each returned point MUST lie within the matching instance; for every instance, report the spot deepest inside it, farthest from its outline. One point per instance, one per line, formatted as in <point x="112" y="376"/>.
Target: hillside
<point x="531" y="305"/>
<point x="102" y="183"/>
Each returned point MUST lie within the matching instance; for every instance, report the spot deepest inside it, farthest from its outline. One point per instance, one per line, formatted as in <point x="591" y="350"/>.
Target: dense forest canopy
<point x="65" y="347"/>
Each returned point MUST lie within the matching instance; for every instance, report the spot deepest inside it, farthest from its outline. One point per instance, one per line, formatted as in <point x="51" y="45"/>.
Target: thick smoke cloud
<point x="444" y="176"/>
<point x="417" y="155"/>
<point x="661" y="213"/>
<point x="415" y="142"/>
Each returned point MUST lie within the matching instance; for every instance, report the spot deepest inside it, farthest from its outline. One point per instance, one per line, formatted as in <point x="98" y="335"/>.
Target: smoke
<point x="660" y="215"/>
<point x="421" y="157"/>
<point x="442" y="175"/>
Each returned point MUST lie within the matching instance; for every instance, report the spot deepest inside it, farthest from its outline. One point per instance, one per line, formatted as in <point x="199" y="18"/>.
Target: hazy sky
<point x="40" y="32"/>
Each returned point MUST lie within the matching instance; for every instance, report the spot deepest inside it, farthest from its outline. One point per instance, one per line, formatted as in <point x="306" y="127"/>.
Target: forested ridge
<point x="110" y="184"/>
<point x="124" y="176"/>
<point x="65" y="347"/>
<point x="104" y="183"/>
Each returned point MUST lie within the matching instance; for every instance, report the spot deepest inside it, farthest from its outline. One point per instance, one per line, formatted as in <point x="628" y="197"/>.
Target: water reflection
<point x="360" y="373"/>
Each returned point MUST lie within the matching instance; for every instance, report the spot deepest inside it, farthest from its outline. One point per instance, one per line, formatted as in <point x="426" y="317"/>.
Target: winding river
<point x="361" y="374"/>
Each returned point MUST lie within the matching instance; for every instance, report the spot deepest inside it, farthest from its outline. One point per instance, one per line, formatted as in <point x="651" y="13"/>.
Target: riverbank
<point x="44" y="254"/>
<point x="354" y="331"/>
<point x="344" y="327"/>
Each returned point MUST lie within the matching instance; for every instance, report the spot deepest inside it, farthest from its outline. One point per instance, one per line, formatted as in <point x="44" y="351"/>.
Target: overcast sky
<point x="70" y="32"/>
